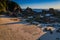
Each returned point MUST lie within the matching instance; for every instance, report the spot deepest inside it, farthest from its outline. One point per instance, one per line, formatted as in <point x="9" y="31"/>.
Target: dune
<point x="18" y="31"/>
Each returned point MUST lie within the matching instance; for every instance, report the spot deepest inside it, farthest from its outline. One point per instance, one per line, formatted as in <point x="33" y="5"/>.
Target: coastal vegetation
<point x="7" y="7"/>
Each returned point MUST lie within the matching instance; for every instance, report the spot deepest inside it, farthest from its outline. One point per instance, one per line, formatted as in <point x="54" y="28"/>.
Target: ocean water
<point x="37" y="10"/>
<point x="40" y="10"/>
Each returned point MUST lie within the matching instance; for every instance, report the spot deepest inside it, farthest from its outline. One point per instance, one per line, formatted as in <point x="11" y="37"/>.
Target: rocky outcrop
<point x="9" y="6"/>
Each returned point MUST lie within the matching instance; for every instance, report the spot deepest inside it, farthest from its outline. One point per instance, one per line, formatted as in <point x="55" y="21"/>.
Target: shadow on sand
<point x="14" y="23"/>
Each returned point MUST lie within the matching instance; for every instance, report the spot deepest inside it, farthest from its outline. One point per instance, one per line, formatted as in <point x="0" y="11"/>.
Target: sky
<point x="39" y="4"/>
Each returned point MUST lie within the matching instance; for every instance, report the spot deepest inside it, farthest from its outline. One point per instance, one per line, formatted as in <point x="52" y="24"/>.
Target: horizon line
<point x="39" y="8"/>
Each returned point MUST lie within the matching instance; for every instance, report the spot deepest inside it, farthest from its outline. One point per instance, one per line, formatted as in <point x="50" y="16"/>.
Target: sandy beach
<point x="18" y="31"/>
